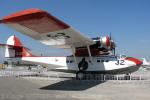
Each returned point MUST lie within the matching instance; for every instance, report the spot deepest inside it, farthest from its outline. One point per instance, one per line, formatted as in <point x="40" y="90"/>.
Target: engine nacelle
<point x="104" y="42"/>
<point x="102" y="46"/>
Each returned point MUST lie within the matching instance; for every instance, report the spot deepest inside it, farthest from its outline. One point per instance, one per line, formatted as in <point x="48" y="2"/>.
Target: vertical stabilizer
<point x="15" y="49"/>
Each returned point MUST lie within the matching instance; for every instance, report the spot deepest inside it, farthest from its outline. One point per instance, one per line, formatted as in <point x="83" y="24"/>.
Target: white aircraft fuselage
<point x="101" y="64"/>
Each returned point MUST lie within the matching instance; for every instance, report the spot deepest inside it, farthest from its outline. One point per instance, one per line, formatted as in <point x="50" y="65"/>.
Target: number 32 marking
<point x="120" y="62"/>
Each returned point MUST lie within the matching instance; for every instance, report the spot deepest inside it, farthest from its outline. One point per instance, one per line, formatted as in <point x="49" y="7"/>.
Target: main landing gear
<point x="83" y="65"/>
<point x="80" y="75"/>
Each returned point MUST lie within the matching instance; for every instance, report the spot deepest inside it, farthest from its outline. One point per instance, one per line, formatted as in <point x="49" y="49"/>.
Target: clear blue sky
<point x="127" y="20"/>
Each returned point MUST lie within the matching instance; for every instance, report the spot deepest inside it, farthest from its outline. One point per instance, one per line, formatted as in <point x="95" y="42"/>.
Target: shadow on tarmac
<point x="72" y="85"/>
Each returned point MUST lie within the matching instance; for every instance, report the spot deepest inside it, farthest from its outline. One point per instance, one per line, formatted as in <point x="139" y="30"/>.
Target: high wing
<point x="45" y="28"/>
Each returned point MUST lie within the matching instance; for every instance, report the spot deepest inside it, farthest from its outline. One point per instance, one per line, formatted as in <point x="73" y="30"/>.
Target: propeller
<point x="112" y="44"/>
<point x="110" y="36"/>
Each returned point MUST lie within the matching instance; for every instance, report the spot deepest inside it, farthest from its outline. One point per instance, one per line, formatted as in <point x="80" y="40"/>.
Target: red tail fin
<point x="20" y="51"/>
<point x="17" y="49"/>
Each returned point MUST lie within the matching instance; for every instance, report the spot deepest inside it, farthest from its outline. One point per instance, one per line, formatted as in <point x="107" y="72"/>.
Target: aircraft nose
<point x="136" y="61"/>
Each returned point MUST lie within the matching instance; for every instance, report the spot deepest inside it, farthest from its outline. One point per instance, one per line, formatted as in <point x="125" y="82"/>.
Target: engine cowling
<point x="104" y="42"/>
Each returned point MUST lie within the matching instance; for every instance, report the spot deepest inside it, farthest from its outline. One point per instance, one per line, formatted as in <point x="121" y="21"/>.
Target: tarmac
<point x="21" y="84"/>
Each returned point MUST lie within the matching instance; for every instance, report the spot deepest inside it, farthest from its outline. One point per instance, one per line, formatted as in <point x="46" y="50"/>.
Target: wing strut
<point x="90" y="54"/>
<point x="73" y="51"/>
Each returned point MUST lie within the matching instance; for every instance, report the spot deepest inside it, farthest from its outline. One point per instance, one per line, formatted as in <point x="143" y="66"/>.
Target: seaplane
<point x="89" y="55"/>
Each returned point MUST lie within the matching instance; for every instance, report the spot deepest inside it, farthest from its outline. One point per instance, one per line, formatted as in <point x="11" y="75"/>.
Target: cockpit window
<point x="121" y="56"/>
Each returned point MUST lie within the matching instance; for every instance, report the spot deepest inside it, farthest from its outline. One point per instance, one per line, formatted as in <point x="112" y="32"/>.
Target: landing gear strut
<point x="80" y="75"/>
<point x="83" y="65"/>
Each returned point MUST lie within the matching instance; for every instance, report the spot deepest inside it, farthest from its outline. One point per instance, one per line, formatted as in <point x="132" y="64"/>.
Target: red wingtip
<point x="13" y="16"/>
<point x="41" y="17"/>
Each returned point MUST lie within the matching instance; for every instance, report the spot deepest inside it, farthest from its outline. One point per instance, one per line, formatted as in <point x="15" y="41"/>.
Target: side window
<point x="102" y="60"/>
<point x="67" y="61"/>
<point x="71" y="61"/>
<point x="107" y="61"/>
<point x="98" y="61"/>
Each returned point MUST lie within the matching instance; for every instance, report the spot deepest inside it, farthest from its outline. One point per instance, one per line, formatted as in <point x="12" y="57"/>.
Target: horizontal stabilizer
<point x="11" y="46"/>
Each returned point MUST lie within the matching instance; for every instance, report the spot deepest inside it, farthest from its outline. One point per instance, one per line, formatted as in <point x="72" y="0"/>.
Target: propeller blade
<point x="110" y="36"/>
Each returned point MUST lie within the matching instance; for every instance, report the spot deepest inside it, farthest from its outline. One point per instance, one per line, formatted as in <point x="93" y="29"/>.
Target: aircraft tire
<point x="80" y="75"/>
